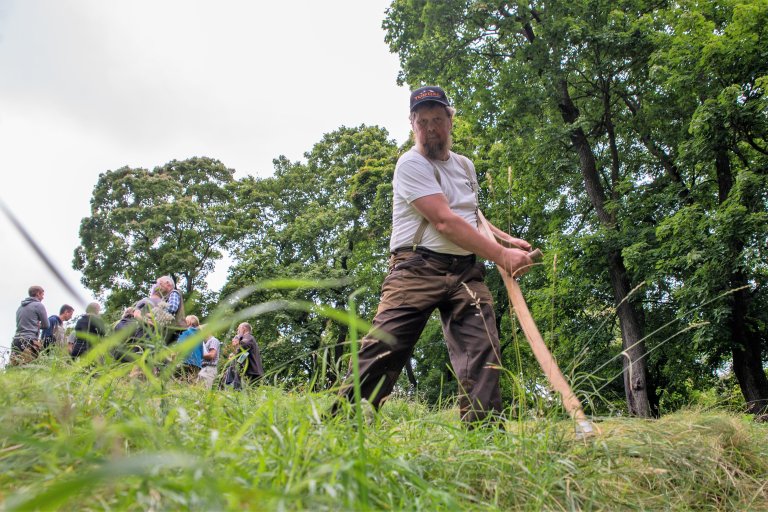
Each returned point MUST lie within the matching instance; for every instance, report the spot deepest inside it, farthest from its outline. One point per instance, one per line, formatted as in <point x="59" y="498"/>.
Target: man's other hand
<point x="515" y="262"/>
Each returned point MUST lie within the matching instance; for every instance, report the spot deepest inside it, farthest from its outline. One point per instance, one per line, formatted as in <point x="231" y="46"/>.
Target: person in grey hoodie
<point x="30" y="318"/>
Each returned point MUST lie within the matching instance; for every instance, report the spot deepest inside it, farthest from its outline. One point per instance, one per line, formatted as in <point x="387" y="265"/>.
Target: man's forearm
<point x="435" y="209"/>
<point x="461" y="233"/>
<point x="508" y="239"/>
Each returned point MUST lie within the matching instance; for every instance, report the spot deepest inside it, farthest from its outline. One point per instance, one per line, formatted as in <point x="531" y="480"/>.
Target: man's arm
<point x="43" y="315"/>
<point x="210" y="355"/>
<point x="48" y="331"/>
<point x="510" y="240"/>
<point x="436" y="210"/>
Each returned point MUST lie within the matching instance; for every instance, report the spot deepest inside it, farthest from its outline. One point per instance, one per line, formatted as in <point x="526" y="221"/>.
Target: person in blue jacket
<point x="54" y="334"/>
<point x="192" y="364"/>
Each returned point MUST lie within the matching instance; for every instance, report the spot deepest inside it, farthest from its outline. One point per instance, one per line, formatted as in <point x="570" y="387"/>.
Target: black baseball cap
<point x="428" y="93"/>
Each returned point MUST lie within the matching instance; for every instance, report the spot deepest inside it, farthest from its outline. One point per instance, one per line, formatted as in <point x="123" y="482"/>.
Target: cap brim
<point x="429" y="100"/>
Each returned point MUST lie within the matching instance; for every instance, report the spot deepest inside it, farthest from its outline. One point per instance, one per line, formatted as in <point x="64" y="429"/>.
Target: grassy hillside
<point x="75" y="438"/>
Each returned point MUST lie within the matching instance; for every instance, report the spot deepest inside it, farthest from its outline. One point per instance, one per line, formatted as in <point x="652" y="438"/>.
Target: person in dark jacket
<point x="244" y="339"/>
<point x="130" y="326"/>
<point x="90" y="326"/>
<point x="129" y="323"/>
<point x="54" y="334"/>
<point x="30" y="318"/>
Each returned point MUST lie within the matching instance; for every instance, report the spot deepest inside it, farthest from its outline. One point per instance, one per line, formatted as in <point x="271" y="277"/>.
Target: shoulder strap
<point x="465" y="164"/>
<point x="424" y="222"/>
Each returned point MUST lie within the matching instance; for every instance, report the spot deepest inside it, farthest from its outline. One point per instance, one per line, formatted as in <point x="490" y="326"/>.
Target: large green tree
<point x="585" y="107"/>
<point x="318" y="220"/>
<point x="172" y="220"/>
<point x="506" y="60"/>
<point x="712" y="67"/>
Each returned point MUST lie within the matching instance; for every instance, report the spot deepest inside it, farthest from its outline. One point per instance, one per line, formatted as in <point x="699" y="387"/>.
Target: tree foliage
<point x="172" y="220"/>
<point x="323" y="219"/>
<point x="596" y="126"/>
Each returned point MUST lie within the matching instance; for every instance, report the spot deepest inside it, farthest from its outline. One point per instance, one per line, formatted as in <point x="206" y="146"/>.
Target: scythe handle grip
<point x="535" y="254"/>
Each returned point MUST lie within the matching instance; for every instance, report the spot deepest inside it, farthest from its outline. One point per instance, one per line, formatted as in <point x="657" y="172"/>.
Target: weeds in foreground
<point x="74" y="437"/>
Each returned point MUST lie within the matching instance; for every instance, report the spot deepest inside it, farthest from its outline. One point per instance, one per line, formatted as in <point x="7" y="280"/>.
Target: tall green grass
<point x="89" y="437"/>
<point x="86" y="435"/>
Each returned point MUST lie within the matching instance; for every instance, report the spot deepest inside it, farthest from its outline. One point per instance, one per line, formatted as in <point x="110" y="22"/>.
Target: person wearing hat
<point x="434" y="244"/>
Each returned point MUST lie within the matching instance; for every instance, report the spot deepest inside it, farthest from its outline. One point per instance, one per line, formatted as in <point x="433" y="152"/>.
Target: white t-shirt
<point x="414" y="178"/>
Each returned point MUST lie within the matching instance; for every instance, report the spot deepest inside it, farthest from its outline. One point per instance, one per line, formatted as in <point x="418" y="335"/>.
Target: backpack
<point x="231" y="377"/>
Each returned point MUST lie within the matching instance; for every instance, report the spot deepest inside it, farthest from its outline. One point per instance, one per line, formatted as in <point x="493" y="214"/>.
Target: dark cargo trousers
<point x="418" y="282"/>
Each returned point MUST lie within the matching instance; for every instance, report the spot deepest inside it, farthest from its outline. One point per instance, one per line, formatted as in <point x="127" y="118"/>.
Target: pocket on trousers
<point x="413" y="261"/>
<point x="392" y="291"/>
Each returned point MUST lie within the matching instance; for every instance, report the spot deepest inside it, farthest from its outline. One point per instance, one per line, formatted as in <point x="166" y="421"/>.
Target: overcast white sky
<point x="91" y="85"/>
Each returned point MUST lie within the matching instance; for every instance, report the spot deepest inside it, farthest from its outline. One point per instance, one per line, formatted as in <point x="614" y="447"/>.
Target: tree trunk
<point x="745" y="340"/>
<point x="410" y="374"/>
<point x="635" y="374"/>
<point x="747" y="351"/>
<point x="634" y="361"/>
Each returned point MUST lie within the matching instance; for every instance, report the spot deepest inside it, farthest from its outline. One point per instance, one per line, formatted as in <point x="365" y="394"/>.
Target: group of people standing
<point x="157" y="319"/>
<point x="36" y="331"/>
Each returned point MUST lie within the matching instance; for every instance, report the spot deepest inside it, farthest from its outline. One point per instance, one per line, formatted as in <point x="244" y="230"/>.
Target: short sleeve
<point x="415" y="180"/>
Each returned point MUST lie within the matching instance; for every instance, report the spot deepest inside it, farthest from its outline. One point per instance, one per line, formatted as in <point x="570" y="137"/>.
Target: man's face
<point x="432" y="129"/>
<point x="40" y="295"/>
<point x="164" y="285"/>
<point x="66" y="316"/>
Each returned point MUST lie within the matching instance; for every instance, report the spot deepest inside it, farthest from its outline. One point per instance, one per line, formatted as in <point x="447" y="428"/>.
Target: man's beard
<point x="436" y="149"/>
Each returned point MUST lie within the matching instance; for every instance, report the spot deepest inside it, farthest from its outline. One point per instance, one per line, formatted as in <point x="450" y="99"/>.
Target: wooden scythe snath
<point x="543" y="355"/>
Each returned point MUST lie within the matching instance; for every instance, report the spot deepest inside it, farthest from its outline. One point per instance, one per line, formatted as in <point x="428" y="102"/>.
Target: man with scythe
<point x="434" y="244"/>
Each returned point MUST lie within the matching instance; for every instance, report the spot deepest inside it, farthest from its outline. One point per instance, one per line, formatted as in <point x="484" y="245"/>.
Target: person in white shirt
<point x="434" y="244"/>
<point x="211" y="349"/>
